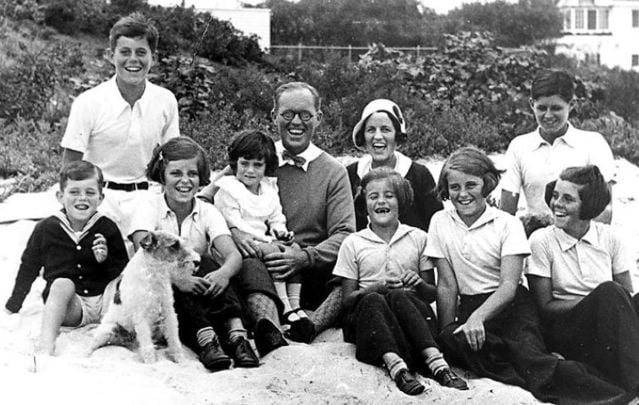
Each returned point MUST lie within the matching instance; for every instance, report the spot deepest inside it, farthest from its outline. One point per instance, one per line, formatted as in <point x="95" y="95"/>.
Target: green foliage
<point x="513" y="25"/>
<point x="73" y="16"/>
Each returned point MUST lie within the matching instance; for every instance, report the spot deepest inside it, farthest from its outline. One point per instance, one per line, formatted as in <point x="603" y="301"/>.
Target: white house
<point x="601" y="31"/>
<point x="250" y="21"/>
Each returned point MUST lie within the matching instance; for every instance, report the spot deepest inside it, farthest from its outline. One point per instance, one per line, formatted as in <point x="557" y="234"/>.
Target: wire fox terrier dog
<point x="143" y="302"/>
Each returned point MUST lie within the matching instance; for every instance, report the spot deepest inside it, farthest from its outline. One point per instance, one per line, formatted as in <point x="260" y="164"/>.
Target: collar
<point x="402" y="164"/>
<point x="568" y="138"/>
<point x="68" y="229"/>
<point x="567" y="242"/>
<point x="402" y="230"/>
<point x="311" y="153"/>
<point x="142" y="101"/>
<point x="168" y="212"/>
<point x="489" y="215"/>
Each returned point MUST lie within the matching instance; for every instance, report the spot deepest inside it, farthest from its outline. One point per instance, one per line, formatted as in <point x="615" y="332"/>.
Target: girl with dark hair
<point x="204" y="303"/>
<point x="387" y="284"/>
<point x="579" y="274"/>
<point x="488" y="319"/>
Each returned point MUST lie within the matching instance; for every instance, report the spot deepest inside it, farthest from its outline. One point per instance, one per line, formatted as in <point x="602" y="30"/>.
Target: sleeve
<point x="145" y="216"/>
<point x="513" y="237"/>
<point x="277" y="220"/>
<point x="435" y="246"/>
<point x="30" y="266"/>
<point x="622" y="260"/>
<point x="424" y="261"/>
<point x="79" y="125"/>
<point x="340" y="220"/>
<point x="172" y="127"/>
<point x="216" y="225"/>
<point x="425" y="194"/>
<point x="118" y="256"/>
<point x="512" y="179"/>
<point x="229" y="207"/>
<point x="602" y="157"/>
<point x="540" y="261"/>
<point x="346" y="265"/>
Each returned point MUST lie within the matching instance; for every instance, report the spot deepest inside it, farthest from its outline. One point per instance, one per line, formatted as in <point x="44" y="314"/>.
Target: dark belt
<point x="144" y="185"/>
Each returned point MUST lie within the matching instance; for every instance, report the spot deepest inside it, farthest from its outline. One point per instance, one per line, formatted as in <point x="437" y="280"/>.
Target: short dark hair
<point x="401" y="187"/>
<point x="551" y="82"/>
<point x="595" y="192"/>
<point x="471" y="161"/>
<point x="253" y="144"/>
<point x="317" y="101"/>
<point x="132" y="26"/>
<point x="80" y="170"/>
<point x="179" y="148"/>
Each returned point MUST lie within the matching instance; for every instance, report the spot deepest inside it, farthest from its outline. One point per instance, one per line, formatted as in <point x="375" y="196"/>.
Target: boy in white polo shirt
<point x="535" y="159"/>
<point x="117" y="124"/>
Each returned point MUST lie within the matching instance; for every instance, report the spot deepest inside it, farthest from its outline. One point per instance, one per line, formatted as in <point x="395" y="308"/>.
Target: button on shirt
<point x="577" y="266"/>
<point x="366" y="257"/>
<point x="199" y="229"/>
<point x="117" y="138"/>
<point x="475" y="252"/>
<point x="531" y="162"/>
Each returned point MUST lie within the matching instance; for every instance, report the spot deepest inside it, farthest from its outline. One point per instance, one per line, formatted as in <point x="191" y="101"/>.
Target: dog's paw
<point x="148" y="354"/>
<point x="177" y="356"/>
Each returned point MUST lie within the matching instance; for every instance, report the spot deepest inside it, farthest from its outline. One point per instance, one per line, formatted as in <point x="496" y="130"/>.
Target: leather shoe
<point x="243" y="354"/>
<point x="267" y="337"/>
<point x="407" y="383"/>
<point x="213" y="357"/>
<point x="448" y="378"/>
<point x="302" y="331"/>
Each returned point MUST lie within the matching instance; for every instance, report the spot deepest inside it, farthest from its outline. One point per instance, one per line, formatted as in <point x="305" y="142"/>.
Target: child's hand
<point x="100" y="248"/>
<point x="411" y="279"/>
<point x="285" y="237"/>
<point x="191" y="284"/>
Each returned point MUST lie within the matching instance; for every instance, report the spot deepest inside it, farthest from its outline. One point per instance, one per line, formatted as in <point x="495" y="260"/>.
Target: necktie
<point x="289" y="158"/>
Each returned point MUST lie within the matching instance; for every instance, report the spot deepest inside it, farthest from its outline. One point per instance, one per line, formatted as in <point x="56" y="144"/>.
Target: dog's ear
<point x="149" y="241"/>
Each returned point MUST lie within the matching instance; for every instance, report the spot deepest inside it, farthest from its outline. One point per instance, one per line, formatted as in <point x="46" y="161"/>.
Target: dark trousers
<point x="316" y="285"/>
<point x="515" y="353"/>
<point x="396" y="322"/>
<point x="602" y="330"/>
<point x="195" y="312"/>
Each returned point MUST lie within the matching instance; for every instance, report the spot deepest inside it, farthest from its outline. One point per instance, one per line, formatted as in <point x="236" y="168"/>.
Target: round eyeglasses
<point x="289" y="115"/>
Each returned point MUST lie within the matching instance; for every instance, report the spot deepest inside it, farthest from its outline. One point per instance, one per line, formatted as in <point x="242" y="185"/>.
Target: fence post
<point x="299" y="52"/>
<point x="418" y="51"/>
<point x="350" y="52"/>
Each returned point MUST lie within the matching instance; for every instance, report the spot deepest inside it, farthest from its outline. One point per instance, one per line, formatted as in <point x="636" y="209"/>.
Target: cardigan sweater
<point x="52" y="246"/>
<point x="425" y="201"/>
<point x="318" y="206"/>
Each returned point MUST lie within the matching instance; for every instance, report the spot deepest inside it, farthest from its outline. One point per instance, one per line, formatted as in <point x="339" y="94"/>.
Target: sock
<point x="205" y="336"/>
<point x="280" y="288"/>
<point x="236" y="334"/>
<point x="293" y="290"/>
<point x="261" y="306"/>
<point x="434" y="360"/>
<point x="394" y="363"/>
<point x="327" y="313"/>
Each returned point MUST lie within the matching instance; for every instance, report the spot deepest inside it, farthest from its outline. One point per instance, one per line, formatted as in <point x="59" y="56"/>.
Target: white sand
<point x="324" y="372"/>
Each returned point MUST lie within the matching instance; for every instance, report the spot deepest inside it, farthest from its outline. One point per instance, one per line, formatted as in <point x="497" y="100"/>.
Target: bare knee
<point x="61" y="288"/>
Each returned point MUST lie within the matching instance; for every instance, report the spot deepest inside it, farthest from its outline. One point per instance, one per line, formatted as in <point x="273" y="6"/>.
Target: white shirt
<point x="256" y="214"/>
<point x="577" y="266"/>
<point x="311" y="153"/>
<point x="402" y="164"/>
<point x="475" y="252"/>
<point x="531" y="162"/>
<point x="117" y="138"/>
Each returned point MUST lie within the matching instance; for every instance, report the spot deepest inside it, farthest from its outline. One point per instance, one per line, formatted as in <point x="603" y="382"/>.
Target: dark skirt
<point x="515" y="353"/>
<point x="602" y="330"/>
<point x="396" y="322"/>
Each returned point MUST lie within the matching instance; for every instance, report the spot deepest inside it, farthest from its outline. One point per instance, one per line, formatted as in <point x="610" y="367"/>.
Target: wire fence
<point x="321" y="52"/>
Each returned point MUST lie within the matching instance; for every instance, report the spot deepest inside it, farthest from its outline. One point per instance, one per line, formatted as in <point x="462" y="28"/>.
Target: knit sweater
<point x="318" y="206"/>
<point x="53" y="245"/>
<point x="425" y="202"/>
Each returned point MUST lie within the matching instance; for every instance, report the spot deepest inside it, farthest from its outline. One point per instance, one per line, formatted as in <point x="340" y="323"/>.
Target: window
<point x="579" y="19"/>
<point x="635" y="18"/>
<point x="592" y="19"/>
<point x="635" y="60"/>
<point x="567" y="21"/>
<point x="603" y="19"/>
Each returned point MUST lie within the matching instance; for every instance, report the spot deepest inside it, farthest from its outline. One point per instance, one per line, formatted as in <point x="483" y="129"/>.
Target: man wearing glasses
<point x="316" y="199"/>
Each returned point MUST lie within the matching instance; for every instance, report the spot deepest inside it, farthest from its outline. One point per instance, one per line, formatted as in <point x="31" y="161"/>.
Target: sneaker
<point x="243" y="354"/>
<point x="213" y="357"/>
<point x="448" y="378"/>
<point x="268" y="337"/>
<point x="407" y="383"/>
<point x="302" y="331"/>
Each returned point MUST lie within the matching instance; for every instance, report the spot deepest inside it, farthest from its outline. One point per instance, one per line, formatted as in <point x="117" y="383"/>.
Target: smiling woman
<point x="379" y="131"/>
